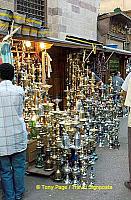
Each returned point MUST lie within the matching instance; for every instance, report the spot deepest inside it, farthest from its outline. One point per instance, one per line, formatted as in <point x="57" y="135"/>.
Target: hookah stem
<point x="23" y="52"/>
<point x="82" y="101"/>
<point x="84" y="56"/>
<point x="18" y="59"/>
<point x="23" y="62"/>
<point x="18" y="65"/>
<point x="44" y="67"/>
<point x="73" y="84"/>
<point x="103" y="65"/>
<point x="77" y="77"/>
<point x="67" y="72"/>
<point x="70" y="73"/>
<point x="29" y="66"/>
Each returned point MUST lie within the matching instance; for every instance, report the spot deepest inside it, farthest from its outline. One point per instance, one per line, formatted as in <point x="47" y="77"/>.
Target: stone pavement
<point x="111" y="169"/>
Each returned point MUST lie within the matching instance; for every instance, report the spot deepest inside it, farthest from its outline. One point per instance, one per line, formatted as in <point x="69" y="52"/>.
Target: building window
<point x="32" y="8"/>
<point x="126" y="46"/>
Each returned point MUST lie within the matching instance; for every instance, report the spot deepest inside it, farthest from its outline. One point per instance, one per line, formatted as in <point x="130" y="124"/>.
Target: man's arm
<point x="97" y="79"/>
<point x="122" y="81"/>
<point x="125" y="84"/>
<point x="123" y="94"/>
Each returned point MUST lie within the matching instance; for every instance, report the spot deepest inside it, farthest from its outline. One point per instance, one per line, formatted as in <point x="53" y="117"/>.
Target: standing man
<point x="96" y="78"/>
<point x="117" y="81"/>
<point x="13" y="135"/>
<point x="127" y="88"/>
<point x="91" y="74"/>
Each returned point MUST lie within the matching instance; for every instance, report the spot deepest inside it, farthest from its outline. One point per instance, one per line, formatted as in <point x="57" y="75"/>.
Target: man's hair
<point x="116" y="73"/>
<point x="6" y="71"/>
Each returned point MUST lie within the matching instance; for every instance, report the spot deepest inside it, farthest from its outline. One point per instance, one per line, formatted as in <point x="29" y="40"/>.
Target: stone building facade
<point x="67" y="17"/>
<point x="7" y="4"/>
<point x="72" y="17"/>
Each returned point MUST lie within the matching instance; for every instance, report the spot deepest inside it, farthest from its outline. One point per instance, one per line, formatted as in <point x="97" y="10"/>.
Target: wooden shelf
<point x="13" y="51"/>
<point x="36" y="171"/>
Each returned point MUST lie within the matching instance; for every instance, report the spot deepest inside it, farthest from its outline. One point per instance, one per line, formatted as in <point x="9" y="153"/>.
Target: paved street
<point x="111" y="169"/>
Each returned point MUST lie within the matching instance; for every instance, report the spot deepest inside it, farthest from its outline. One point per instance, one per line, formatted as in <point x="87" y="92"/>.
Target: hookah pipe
<point x="44" y="67"/>
<point x="18" y="66"/>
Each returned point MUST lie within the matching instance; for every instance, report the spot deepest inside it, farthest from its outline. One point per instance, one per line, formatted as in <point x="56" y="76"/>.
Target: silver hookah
<point x="75" y="173"/>
<point x="67" y="170"/>
<point x="83" y="174"/>
<point x="57" y="101"/>
<point x="91" y="177"/>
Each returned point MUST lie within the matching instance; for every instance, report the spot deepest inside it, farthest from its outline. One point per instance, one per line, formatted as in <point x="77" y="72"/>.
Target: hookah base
<point x="39" y="166"/>
<point x="57" y="178"/>
<point x="48" y="169"/>
<point x="68" y="182"/>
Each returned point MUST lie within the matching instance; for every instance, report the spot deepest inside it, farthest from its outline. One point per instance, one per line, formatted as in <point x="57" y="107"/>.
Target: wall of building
<point x="109" y="5"/>
<point x="118" y="43"/>
<point x="72" y="17"/>
<point x="7" y="4"/>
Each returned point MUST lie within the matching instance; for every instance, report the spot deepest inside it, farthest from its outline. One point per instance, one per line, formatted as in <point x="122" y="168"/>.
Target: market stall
<point x="62" y="143"/>
<point x="62" y="139"/>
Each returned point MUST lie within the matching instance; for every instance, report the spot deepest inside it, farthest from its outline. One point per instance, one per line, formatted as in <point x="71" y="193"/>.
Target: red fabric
<point x="1" y="60"/>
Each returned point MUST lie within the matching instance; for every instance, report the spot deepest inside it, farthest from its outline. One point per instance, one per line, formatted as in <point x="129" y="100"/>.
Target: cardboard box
<point x="31" y="151"/>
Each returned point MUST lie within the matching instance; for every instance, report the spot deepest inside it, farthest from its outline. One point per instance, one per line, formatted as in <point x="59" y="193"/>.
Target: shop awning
<point x="66" y="43"/>
<point x="71" y="44"/>
<point x="62" y="43"/>
<point x="55" y="41"/>
<point x="115" y="50"/>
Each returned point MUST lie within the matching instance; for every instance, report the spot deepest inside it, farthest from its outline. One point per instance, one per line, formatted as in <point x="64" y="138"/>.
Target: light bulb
<point x="42" y="45"/>
<point x="28" y="44"/>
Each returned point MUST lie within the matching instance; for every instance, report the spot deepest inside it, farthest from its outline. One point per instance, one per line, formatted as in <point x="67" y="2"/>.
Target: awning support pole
<point x="109" y="57"/>
<point x="89" y="55"/>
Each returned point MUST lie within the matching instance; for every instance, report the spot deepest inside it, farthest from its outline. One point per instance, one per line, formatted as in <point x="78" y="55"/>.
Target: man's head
<point x="89" y="70"/>
<point x="117" y="73"/>
<point x="6" y="71"/>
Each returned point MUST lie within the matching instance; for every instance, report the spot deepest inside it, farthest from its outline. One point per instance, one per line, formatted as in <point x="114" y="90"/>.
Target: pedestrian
<point x="93" y="75"/>
<point x="13" y="135"/>
<point x="117" y="82"/>
<point x="127" y="88"/>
